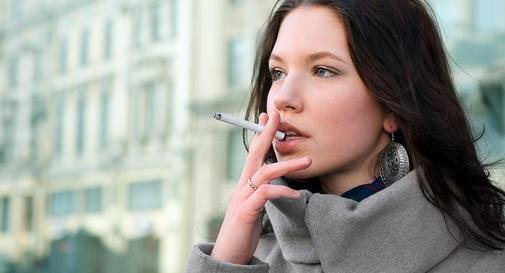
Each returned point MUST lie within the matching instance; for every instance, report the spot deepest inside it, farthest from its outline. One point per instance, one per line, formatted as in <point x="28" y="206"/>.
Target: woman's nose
<point x="289" y="97"/>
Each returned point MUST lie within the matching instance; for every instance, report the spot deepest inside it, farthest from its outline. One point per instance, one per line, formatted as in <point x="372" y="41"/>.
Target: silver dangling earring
<point x="393" y="162"/>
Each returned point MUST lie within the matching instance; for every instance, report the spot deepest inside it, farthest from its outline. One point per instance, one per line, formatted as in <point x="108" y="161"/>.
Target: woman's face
<point x="321" y="97"/>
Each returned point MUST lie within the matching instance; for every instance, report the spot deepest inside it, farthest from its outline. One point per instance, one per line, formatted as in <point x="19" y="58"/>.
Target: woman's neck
<point x="342" y="182"/>
<point x="363" y="171"/>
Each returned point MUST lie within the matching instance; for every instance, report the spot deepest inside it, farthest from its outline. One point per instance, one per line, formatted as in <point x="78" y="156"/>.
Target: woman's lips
<point x="290" y="129"/>
<point x="289" y="144"/>
<point x="294" y="138"/>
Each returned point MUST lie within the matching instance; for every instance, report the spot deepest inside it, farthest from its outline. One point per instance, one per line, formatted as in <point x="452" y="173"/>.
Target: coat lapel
<point x="394" y="230"/>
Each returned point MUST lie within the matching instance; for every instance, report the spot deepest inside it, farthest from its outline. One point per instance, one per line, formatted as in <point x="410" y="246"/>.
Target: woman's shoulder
<point x="465" y="259"/>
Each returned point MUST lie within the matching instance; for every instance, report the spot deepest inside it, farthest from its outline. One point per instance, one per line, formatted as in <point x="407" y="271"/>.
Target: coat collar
<point x="396" y="230"/>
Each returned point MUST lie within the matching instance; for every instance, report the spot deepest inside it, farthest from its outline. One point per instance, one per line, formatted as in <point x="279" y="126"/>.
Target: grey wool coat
<point x="394" y="230"/>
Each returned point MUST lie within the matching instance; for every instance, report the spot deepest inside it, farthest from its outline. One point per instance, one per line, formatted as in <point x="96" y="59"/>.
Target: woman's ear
<point x="390" y="124"/>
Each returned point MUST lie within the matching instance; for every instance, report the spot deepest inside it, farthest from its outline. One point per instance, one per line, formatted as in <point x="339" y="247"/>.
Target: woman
<point x="343" y="78"/>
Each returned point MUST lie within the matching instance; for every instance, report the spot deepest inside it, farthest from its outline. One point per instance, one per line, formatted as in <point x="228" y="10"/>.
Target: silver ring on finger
<point x="249" y="181"/>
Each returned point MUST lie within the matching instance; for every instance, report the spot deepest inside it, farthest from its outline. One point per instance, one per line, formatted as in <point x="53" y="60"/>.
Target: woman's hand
<point x="240" y="231"/>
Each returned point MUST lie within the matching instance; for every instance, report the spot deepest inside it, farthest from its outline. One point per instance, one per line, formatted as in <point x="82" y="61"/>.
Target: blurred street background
<point x="110" y="160"/>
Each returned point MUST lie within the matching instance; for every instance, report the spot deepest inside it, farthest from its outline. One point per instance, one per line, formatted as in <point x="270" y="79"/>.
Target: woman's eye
<point x="323" y="72"/>
<point x="277" y="74"/>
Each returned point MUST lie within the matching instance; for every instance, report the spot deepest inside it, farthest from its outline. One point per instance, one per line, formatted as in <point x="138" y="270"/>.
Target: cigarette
<point x="245" y="124"/>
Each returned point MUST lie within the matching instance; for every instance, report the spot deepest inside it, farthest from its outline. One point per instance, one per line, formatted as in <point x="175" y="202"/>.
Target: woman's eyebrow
<point x="313" y="57"/>
<point x="275" y="57"/>
<point x="324" y="54"/>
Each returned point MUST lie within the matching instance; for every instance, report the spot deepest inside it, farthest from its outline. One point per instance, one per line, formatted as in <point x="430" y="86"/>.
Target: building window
<point x="9" y="115"/>
<point x="104" y="121"/>
<point x="15" y="8"/>
<point x="151" y="104"/>
<point x="145" y="195"/>
<point x="137" y="28"/>
<point x="37" y="66"/>
<point x="13" y="71"/>
<point x="34" y="149"/>
<point x="493" y="97"/>
<point x="81" y="120"/>
<point x="108" y="40"/>
<point x="62" y="203"/>
<point x="173" y="18"/>
<point x="236" y="2"/>
<point x="147" y="107"/>
<point x="93" y="198"/>
<point x="36" y="117"/>
<point x="488" y="14"/>
<point x="155" y="21"/>
<point x="168" y="117"/>
<point x="139" y="115"/>
<point x="84" y="47"/>
<point x="446" y="12"/>
<point x="4" y="226"/>
<point x="58" y="142"/>
<point x="236" y="51"/>
<point x="28" y="213"/>
<point x="235" y="155"/>
<point x="63" y="56"/>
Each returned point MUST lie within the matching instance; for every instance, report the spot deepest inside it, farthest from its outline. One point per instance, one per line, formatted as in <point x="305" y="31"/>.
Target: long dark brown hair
<point x="396" y="48"/>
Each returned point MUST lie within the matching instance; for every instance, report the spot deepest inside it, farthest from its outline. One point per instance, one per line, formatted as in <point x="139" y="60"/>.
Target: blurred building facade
<point x="474" y="35"/>
<point x="93" y="111"/>
<point x="106" y="119"/>
<point x="103" y="104"/>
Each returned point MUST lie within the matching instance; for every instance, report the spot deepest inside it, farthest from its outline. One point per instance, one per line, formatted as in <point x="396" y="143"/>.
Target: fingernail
<point x="304" y="159"/>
